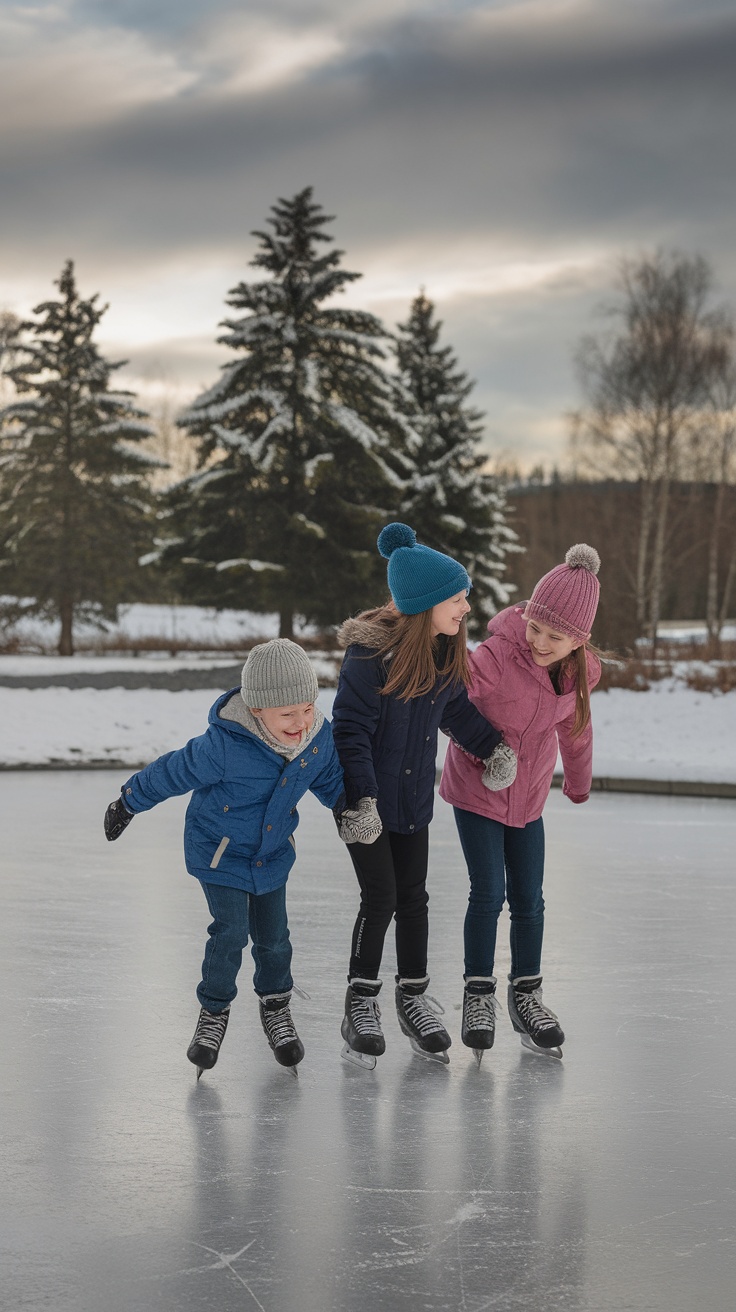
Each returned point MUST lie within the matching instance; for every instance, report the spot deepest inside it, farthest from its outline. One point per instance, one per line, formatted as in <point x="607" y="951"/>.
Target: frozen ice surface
<point x="604" y="1183"/>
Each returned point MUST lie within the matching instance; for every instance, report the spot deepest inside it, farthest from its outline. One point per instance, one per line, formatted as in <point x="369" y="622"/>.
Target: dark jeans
<point x="238" y="915"/>
<point x="503" y="863"/>
<point x="392" y="873"/>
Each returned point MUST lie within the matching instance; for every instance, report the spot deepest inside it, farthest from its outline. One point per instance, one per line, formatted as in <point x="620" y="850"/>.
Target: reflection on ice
<point x="603" y="1181"/>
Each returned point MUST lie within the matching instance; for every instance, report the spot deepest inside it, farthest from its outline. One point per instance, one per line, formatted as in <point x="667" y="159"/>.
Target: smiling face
<point x="287" y="724"/>
<point x="549" y="645"/>
<point x="449" y="615"/>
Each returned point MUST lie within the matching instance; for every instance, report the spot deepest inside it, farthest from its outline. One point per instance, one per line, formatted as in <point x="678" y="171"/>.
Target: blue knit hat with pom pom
<point x="418" y="577"/>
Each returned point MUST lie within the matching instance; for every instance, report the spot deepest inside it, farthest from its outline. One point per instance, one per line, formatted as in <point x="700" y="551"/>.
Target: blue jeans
<point x="503" y="863"/>
<point x="238" y="915"/>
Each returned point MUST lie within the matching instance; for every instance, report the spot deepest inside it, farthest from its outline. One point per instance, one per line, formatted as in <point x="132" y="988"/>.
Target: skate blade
<point x="365" y="1060"/>
<point x="531" y="1046"/>
<point x="478" y="1054"/>
<point x="200" y="1073"/>
<point x="441" y="1057"/>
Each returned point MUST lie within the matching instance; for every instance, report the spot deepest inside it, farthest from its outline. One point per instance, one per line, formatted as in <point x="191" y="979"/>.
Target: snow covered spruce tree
<point x="302" y="454"/>
<point x="451" y="503"/>
<point x="75" y="508"/>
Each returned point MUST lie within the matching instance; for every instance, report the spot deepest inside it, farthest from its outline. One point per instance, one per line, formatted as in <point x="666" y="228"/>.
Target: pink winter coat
<point x="519" y="698"/>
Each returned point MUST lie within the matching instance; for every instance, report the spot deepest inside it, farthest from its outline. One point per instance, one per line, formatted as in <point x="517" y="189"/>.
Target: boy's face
<point x="287" y="724"/>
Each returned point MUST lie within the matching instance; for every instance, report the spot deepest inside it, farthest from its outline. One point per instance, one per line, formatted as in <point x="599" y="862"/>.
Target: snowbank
<point x="669" y="733"/>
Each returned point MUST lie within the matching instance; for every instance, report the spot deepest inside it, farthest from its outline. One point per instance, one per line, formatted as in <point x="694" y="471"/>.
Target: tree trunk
<point x="655" y="599"/>
<point x="727" y="589"/>
<point x="286" y="622"/>
<point x="711" y="601"/>
<point x="66" y="636"/>
<point x="642" y="556"/>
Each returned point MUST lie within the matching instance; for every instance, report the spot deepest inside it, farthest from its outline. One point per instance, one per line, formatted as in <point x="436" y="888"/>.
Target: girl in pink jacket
<point x="533" y="675"/>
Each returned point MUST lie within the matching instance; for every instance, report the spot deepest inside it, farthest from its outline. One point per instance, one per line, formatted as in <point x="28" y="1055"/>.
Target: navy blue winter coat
<point x="388" y="747"/>
<point x="240" y="822"/>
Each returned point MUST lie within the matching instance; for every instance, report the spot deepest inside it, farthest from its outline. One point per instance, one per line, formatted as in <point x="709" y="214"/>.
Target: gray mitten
<point x="500" y="768"/>
<point x="362" y="825"/>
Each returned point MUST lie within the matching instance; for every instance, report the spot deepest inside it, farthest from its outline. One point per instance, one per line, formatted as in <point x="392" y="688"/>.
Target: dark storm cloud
<point x="541" y="130"/>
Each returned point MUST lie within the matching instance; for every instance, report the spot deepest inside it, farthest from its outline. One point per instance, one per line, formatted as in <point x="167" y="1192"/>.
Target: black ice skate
<point x="205" y="1046"/>
<point x="479" y="1014"/>
<point x="418" y="1019"/>
<point x="538" y="1026"/>
<point x="280" y="1031"/>
<point x="361" y="1024"/>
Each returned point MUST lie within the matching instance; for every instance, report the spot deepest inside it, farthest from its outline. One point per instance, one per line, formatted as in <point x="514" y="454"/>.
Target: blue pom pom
<point x="395" y="535"/>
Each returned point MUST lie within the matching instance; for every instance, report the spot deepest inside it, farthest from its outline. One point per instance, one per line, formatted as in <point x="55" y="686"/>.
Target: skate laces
<point x="211" y="1028"/>
<point x="421" y="1010"/>
<point x="533" y="1011"/>
<point x="480" y="1011"/>
<point x="280" y="1026"/>
<point x="365" y="1014"/>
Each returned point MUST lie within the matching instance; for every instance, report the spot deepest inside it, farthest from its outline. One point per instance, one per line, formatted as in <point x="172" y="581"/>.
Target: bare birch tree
<point x="643" y="384"/>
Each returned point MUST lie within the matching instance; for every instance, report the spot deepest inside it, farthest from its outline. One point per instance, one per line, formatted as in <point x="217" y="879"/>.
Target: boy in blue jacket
<point x="265" y="746"/>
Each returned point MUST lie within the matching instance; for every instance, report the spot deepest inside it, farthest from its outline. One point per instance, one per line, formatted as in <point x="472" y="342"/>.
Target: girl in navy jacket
<point x="265" y="746"/>
<point x="404" y="677"/>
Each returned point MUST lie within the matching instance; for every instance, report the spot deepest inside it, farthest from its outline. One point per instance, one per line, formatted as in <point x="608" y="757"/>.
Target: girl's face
<point x="448" y="615"/>
<point x="549" y="645"/>
<point x="287" y="724"/>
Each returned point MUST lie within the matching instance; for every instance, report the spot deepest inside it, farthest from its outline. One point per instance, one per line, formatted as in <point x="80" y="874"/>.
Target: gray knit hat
<point x="278" y="673"/>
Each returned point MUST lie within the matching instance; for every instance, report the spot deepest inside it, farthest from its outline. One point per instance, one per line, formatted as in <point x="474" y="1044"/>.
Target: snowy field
<point x="668" y="733"/>
<point x="604" y="1182"/>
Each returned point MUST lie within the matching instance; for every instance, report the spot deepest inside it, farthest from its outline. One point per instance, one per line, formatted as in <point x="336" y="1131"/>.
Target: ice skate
<point x="417" y="1014"/>
<point x="204" y="1048"/>
<point x="280" y="1030"/>
<point x="479" y="1014"/>
<point x="538" y="1026"/>
<point x="361" y="1024"/>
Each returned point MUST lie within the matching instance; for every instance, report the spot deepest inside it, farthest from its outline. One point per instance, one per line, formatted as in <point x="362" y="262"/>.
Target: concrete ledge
<point x="601" y="784"/>
<point x="662" y="787"/>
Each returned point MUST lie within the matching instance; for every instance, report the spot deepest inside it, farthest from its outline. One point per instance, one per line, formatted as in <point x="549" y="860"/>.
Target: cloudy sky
<point x="504" y="154"/>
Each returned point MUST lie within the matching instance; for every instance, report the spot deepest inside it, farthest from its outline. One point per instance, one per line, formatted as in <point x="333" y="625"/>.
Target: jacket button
<point x="226" y="808"/>
<point x="427" y="739"/>
<point x="259" y="863"/>
<point x="128" y="791"/>
<point x="411" y="826"/>
<point x="302" y="764"/>
<point x="269" y="828"/>
<point x="283" y="783"/>
<point x="293" y="809"/>
<point x="407" y="772"/>
<point x="315" y="750"/>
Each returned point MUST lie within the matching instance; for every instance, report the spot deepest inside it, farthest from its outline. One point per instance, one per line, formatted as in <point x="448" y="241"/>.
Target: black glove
<point x="117" y="818"/>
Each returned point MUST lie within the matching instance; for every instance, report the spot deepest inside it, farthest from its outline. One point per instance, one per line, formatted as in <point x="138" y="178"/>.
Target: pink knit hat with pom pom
<point x="567" y="597"/>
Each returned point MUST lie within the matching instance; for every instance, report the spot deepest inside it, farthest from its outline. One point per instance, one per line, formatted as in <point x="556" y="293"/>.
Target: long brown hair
<point x="576" y="665"/>
<point x="413" y="670"/>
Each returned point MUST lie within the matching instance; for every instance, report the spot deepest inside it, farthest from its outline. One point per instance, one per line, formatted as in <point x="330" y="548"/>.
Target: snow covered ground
<point x="603" y="1182"/>
<point x="669" y="733"/>
<point x="173" y="624"/>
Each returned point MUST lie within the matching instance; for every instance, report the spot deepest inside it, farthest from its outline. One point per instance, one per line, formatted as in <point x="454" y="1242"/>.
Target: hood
<point x="364" y="632"/>
<point x="510" y="624"/>
<point x="232" y="709"/>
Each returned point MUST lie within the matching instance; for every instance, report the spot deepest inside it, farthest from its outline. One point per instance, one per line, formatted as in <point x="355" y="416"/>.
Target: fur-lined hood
<point x="365" y="632"/>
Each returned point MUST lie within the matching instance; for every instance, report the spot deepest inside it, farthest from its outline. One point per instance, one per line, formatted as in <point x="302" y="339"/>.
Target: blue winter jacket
<point x="240" y="822"/>
<point x="388" y="747"/>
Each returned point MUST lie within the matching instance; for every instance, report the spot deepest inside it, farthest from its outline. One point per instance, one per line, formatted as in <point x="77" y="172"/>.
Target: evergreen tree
<point x="453" y="506"/>
<point x="302" y="454"/>
<point x="75" y="509"/>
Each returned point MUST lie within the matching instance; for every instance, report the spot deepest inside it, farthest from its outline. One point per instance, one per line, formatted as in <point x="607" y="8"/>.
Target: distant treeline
<point x="549" y="518"/>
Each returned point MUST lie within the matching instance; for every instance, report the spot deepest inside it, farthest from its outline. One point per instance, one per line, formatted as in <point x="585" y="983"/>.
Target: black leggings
<point x="392" y="873"/>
